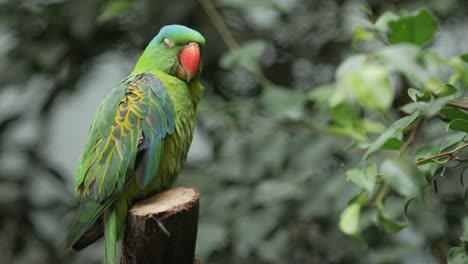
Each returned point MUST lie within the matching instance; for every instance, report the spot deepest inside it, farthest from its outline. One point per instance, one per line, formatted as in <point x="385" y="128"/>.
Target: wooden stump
<point x="163" y="229"/>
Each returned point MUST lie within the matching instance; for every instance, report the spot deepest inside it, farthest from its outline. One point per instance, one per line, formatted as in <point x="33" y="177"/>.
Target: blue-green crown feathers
<point x="179" y="34"/>
<point x="157" y="57"/>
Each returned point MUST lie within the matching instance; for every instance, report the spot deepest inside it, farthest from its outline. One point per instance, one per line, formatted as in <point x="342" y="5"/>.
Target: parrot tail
<point x="110" y="235"/>
<point x="87" y="227"/>
<point x="92" y="234"/>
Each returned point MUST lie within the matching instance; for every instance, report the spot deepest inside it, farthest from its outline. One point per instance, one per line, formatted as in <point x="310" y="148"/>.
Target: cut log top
<point x="168" y="202"/>
<point x="163" y="229"/>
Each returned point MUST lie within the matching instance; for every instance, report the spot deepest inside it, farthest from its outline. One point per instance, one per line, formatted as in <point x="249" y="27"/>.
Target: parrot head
<point x="176" y="50"/>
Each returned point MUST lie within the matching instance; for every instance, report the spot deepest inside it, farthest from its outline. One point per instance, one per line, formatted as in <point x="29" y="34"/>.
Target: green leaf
<point x="454" y="113"/>
<point x="417" y="95"/>
<point x="361" y="34"/>
<point x="464" y="57"/>
<point x="349" y="65"/>
<point x="281" y="103"/>
<point x="429" y="109"/>
<point x="361" y="198"/>
<point x="321" y="94"/>
<point x="458" y="255"/>
<point x="428" y="169"/>
<point x="449" y="90"/>
<point x="246" y="57"/>
<point x="366" y="10"/>
<point x="349" y="219"/>
<point x="438" y="88"/>
<point x="455" y="77"/>
<point x="364" y="178"/>
<point x="346" y="115"/>
<point x="371" y="86"/>
<point x="372" y="126"/>
<point x="392" y="144"/>
<point x="405" y="59"/>
<point x="388" y="223"/>
<point x="452" y="139"/>
<point x="418" y="29"/>
<point x="461" y="71"/>
<point x="393" y="131"/>
<point x="407" y="204"/>
<point x="459" y="124"/>
<point x="461" y="176"/>
<point x="346" y="131"/>
<point x="347" y="121"/>
<point x="382" y="22"/>
<point x="113" y="9"/>
<point x="403" y="176"/>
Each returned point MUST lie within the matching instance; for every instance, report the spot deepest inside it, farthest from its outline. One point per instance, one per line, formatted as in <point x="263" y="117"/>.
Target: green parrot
<point x="139" y="137"/>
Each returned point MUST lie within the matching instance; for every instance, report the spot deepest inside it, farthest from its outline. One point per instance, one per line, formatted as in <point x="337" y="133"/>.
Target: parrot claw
<point x="163" y="228"/>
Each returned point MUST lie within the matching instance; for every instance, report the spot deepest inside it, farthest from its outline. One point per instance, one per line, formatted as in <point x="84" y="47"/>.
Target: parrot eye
<point x="168" y="43"/>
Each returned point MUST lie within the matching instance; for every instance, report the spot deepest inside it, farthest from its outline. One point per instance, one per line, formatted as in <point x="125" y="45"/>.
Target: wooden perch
<point x="163" y="229"/>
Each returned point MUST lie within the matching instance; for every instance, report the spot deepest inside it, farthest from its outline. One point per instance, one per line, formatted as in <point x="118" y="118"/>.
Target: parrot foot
<point x="163" y="228"/>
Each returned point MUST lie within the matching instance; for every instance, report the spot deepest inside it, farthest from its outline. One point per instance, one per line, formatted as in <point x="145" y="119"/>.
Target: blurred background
<point x="272" y="187"/>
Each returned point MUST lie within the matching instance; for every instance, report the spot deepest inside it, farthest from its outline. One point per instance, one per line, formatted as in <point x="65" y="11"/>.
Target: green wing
<point x="125" y="139"/>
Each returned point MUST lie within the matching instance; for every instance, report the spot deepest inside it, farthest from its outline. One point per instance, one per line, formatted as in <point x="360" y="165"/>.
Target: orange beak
<point x="189" y="62"/>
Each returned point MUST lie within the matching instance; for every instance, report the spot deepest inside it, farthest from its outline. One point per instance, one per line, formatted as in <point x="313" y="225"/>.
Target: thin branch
<point x="411" y="137"/>
<point x="440" y="249"/>
<point x="218" y="22"/>
<point x="443" y="154"/>
<point x="229" y="40"/>
<point x="442" y="173"/>
<point x="385" y="186"/>
<point x="380" y="195"/>
<point x="380" y="38"/>
<point x="458" y="105"/>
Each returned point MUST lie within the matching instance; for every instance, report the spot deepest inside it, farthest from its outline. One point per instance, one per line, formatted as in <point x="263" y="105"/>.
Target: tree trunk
<point x="163" y="229"/>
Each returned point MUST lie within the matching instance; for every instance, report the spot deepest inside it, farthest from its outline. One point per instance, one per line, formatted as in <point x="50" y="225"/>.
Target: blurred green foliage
<point x="318" y="121"/>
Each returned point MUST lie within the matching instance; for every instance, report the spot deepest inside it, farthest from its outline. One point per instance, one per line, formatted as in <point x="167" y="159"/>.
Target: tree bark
<point x="163" y="229"/>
